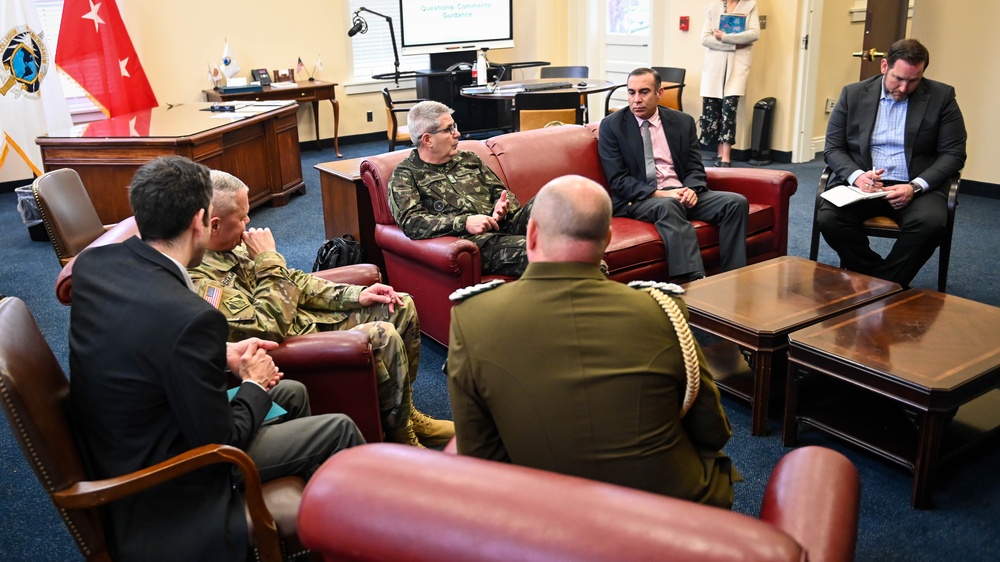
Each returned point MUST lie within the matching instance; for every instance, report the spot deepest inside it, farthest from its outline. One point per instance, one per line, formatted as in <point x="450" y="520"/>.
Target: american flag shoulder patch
<point x="212" y="294"/>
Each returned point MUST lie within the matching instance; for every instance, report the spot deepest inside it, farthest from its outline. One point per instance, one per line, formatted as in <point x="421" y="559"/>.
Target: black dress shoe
<point x="721" y="164"/>
<point x="716" y="161"/>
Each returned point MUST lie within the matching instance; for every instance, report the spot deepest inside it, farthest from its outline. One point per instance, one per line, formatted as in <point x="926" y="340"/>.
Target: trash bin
<point x="760" y="137"/>
<point x="30" y="215"/>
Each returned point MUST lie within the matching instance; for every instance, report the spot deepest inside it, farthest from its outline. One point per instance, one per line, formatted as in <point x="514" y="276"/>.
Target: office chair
<point x="535" y="110"/>
<point x="394" y="131"/>
<point x="34" y="393"/>
<point x="565" y="72"/>
<point x="885" y="227"/>
<point x="673" y="90"/>
<point x="67" y="212"/>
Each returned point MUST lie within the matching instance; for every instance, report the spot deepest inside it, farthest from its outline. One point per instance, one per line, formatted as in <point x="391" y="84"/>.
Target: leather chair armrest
<point x="363" y="274"/>
<point x="767" y="187"/>
<point x="90" y="494"/>
<point x="117" y="233"/>
<point x="814" y="495"/>
<point x="448" y="254"/>
<point x="339" y="372"/>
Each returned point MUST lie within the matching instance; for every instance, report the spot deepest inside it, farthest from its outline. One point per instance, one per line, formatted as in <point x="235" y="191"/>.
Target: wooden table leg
<point x="761" y="392"/>
<point x="315" y="104"/>
<point x="336" y="127"/>
<point x="790" y="425"/>
<point x="932" y="428"/>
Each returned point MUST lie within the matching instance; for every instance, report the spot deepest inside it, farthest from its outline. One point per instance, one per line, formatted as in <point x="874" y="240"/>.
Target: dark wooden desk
<point x="912" y="378"/>
<point x="757" y="306"/>
<point x="347" y="206"/>
<point x="261" y="147"/>
<point x="305" y="91"/>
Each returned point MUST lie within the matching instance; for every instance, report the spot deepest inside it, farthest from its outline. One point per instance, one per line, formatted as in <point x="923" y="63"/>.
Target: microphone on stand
<point x="359" y="26"/>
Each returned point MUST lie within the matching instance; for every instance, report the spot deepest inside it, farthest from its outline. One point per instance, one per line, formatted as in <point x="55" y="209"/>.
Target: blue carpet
<point x="963" y="525"/>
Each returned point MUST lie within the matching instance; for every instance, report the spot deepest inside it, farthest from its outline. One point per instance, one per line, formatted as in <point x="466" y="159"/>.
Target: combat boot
<point x="404" y="434"/>
<point x="432" y="432"/>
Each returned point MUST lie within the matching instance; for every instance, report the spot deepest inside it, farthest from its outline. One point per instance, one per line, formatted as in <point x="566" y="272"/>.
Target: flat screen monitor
<point x="445" y="26"/>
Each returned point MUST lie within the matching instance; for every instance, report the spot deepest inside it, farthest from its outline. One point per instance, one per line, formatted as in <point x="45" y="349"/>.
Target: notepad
<point x="274" y="412"/>
<point x="847" y="194"/>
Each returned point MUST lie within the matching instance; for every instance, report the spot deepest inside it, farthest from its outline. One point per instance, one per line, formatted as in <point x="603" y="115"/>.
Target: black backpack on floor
<point x="336" y="252"/>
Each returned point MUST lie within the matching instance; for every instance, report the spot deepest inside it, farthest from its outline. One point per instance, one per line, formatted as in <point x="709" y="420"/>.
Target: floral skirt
<point x="718" y="120"/>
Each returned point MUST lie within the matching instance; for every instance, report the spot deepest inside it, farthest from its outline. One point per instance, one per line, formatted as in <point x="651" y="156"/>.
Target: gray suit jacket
<point x="620" y="147"/>
<point x="934" y="139"/>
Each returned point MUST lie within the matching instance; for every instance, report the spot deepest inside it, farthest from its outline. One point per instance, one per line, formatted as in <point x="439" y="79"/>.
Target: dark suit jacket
<point x="567" y="371"/>
<point x="934" y="139"/>
<point x="624" y="163"/>
<point x="147" y="360"/>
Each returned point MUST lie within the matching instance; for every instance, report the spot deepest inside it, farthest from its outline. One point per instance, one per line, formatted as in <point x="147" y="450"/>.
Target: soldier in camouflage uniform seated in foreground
<point x="442" y="191"/>
<point x="246" y="278"/>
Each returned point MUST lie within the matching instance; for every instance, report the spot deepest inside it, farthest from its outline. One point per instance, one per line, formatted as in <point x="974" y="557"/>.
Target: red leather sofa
<point x="417" y="505"/>
<point x="336" y="367"/>
<point x="525" y="161"/>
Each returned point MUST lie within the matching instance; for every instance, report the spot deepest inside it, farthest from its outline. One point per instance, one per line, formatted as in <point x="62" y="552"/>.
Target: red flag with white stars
<point x="96" y="51"/>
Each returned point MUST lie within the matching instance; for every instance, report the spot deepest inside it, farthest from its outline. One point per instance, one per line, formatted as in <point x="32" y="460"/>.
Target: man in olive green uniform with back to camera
<point x="618" y="391"/>
<point x="245" y="277"/>
<point x="442" y="191"/>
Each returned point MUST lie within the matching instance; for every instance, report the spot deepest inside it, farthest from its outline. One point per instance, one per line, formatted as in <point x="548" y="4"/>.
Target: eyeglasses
<point x="451" y="130"/>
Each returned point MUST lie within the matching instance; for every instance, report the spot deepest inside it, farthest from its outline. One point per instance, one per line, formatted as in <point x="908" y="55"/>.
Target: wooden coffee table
<point x="757" y="306"/>
<point x="912" y="378"/>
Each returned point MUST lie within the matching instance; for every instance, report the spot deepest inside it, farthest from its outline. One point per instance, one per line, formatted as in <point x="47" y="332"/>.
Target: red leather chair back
<point x="444" y="507"/>
<point x="529" y="163"/>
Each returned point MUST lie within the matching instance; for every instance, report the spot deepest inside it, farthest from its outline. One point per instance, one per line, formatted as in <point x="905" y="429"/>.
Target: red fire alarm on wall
<point x="685" y="20"/>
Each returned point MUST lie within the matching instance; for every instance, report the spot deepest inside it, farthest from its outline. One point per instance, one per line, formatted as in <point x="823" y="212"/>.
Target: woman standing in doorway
<point x="730" y="28"/>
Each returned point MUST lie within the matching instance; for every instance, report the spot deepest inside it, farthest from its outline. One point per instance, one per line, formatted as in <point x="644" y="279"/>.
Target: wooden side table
<point x="347" y="206"/>
<point x="305" y="91"/>
<point x="757" y="306"/>
<point x="912" y="378"/>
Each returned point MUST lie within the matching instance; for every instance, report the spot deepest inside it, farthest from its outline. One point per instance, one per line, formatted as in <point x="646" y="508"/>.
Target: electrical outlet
<point x="830" y="103"/>
<point x="370" y="117"/>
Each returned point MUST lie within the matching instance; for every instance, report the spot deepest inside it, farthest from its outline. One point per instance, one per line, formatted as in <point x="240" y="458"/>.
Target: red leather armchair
<point x="525" y="161"/>
<point x="336" y="367"/>
<point x="446" y="507"/>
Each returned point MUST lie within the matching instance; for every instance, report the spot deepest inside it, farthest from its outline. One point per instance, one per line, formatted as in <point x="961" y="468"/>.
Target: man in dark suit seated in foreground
<point x="148" y="358"/>
<point x="565" y="370"/>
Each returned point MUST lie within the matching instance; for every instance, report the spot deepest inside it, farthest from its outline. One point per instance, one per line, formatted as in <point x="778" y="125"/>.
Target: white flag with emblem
<point x="31" y="98"/>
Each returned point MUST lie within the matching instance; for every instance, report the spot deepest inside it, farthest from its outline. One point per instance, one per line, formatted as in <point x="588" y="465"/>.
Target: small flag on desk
<point x="319" y="64"/>
<point x="229" y="65"/>
<point x="299" y="67"/>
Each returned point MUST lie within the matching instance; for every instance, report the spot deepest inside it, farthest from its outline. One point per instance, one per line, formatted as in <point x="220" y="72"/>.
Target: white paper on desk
<point x="846" y="194"/>
<point x="282" y="84"/>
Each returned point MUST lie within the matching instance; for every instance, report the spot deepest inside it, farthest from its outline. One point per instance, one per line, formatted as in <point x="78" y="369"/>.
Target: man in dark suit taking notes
<point x="903" y="134"/>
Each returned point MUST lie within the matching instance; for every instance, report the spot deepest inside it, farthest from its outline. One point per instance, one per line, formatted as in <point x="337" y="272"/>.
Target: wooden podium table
<point x="258" y="144"/>
<point x="757" y="306"/>
<point x="912" y="378"/>
<point x="305" y="91"/>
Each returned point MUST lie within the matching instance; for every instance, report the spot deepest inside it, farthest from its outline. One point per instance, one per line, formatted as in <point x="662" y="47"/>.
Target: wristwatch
<point x="917" y="188"/>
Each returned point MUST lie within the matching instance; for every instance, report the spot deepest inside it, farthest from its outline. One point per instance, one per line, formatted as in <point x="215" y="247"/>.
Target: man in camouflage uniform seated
<point x="442" y="191"/>
<point x="246" y="278"/>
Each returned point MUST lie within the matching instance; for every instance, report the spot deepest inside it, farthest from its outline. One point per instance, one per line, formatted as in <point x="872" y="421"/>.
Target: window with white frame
<point x="628" y="17"/>
<point x="372" y="50"/>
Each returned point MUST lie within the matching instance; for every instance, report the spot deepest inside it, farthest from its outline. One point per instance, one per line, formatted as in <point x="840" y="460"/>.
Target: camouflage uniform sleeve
<point x="258" y="297"/>
<point x="319" y="294"/>
<point x="406" y="204"/>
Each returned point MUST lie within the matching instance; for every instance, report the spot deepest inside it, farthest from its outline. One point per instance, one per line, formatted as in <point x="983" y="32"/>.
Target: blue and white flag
<point x="32" y="102"/>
